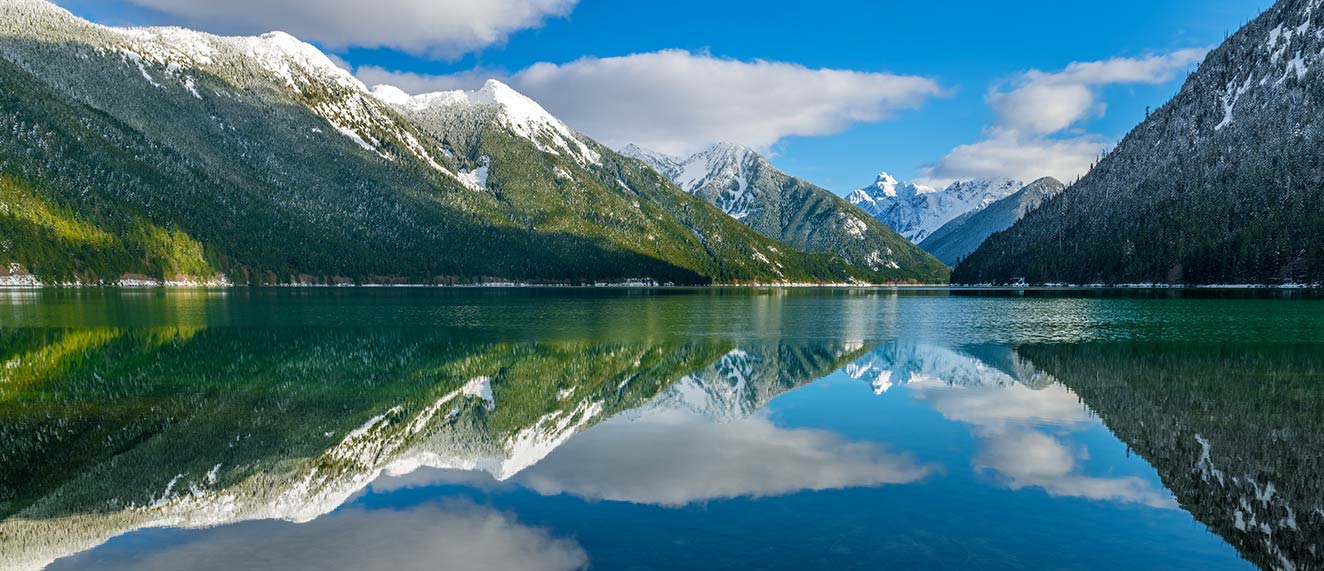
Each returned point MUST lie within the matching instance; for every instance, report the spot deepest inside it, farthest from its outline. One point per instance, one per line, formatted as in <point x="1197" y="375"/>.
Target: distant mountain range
<point x="956" y="239"/>
<point x="917" y="211"/>
<point x="750" y="189"/>
<point x="1221" y="185"/>
<point x="158" y="155"/>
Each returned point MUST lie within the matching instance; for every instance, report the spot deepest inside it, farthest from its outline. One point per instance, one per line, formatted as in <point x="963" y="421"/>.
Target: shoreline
<point x="140" y="286"/>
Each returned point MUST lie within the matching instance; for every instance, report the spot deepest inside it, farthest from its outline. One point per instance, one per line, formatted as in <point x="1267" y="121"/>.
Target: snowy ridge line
<point x="163" y="55"/>
<point x="917" y="211"/>
<point x="522" y="115"/>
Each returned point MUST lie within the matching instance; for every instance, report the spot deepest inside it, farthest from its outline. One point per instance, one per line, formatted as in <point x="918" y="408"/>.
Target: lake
<point x="557" y="429"/>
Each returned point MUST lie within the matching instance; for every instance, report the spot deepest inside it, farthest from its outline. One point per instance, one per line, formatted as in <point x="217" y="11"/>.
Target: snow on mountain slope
<point x="721" y="174"/>
<point x="520" y="114"/>
<point x="956" y="239"/>
<point x="915" y="211"/>
<point x="750" y="189"/>
<point x="1220" y="185"/>
<point x="172" y="58"/>
<point x="175" y="58"/>
<point x="660" y="162"/>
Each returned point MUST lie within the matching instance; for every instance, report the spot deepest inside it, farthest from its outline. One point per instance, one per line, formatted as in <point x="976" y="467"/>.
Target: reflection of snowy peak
<point x="399" y="441"/>
<point x="721" y="392"/>
<point x="739" y="383"/>
<point x="901" y="363"/>
<point x="496" y="409"/>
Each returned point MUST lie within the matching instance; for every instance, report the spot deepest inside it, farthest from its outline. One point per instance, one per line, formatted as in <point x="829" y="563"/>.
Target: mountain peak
<point x="517" y="111"/>
<point x="1046" y="183"/>
<point x="727" y="147"/>
<point x="916" y="211"/>
<point x="747" y="187"/>
<point x="663" y="163"/>
<point x="886" y="184"/>
<point x="726" y="155"/>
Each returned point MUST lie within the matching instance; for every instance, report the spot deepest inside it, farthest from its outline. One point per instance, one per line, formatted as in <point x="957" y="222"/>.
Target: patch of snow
<point x="1274" y="35"/>
<point x="137" y="59"/>
<point x="525" y="117"/>
<point x="479" y="387"/>
<point x="475" y="179"/>
<point x="1206" y="466"/>
<point x="1230" y="98"/>
<point x="1295" y="64"/>
<point x="532" y="444"/>
<point x="134" y="282"/>
<point x="168" y="493"/>
<point x="854" y="226"/>
<point x="876" y="261"/>
<point x="365" y="427"/>
<point x="353" y="136"/>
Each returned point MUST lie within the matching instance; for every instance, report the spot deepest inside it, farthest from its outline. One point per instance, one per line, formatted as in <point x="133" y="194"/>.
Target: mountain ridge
<point x="1217" y="186"/>
<point x="257" y="161"/>
<point x="748" y="188"/>
<point x="956" y="239"/>
<point x="916" y="211"/>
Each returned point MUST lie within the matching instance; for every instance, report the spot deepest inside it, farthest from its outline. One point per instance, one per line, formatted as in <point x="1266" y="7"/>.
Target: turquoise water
<point x="661" y="429"/>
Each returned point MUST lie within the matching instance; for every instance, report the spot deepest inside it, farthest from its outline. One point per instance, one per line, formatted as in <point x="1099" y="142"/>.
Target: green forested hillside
<point x="168" y="154"/>
<point x="1221" y="185"/>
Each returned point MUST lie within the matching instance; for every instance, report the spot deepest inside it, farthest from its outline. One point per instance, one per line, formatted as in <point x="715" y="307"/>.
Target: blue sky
<point x="926" y="90"/>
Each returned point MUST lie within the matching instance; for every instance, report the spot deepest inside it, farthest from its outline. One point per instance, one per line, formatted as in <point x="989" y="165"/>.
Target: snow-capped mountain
<point x="750" y="189"/>
<point x="520" y="114"/>
<point x="1219" y="185"/>
<point x="258" y="160"/>
<point x="915" y="211"/>
<point x="721" y="174"/>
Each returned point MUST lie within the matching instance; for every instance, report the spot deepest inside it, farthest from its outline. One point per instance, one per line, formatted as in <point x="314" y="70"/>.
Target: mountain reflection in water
<point x="346" y="448"/>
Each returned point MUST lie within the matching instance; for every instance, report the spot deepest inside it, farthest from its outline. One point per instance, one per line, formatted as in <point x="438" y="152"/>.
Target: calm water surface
<point x="661" y="429"/>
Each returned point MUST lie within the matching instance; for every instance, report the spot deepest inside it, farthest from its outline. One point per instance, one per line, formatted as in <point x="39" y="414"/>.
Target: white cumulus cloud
<point x="1032" y="459"/>
<point x="676" y="458"/>
<point x="434" y="28"/>
<point x="1038" y="112"/>
<point x="677" y="101"/>
<point x="1021" y="430"/>
<point x="1017" y="157"/>
<point x="1040" y="103"/>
